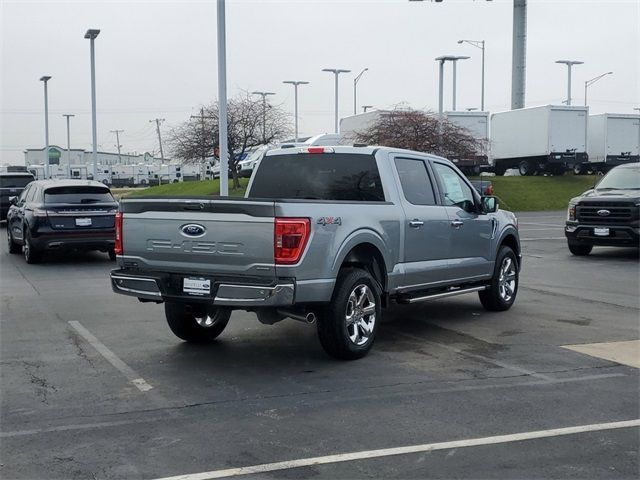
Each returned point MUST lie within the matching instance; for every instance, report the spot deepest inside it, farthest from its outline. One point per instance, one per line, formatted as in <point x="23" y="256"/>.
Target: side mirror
<point x="489" y="204"/>
<point x="13" y="200"/>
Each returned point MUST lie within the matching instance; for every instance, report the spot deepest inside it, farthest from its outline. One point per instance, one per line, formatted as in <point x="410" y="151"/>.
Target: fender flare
<point x="358" y="237"/>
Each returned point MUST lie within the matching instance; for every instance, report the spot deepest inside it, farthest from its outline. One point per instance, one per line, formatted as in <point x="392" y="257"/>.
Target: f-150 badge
<point x="330" y="221"/>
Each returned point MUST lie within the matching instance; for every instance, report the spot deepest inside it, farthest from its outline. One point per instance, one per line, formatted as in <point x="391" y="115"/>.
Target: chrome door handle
<point x="415" y="223"/>
<point x="457" y="223"/>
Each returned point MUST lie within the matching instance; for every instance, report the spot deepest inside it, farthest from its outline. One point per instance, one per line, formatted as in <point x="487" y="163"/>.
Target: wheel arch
<point x="510" y="239"/>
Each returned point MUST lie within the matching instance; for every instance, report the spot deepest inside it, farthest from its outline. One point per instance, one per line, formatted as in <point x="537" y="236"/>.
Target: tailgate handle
<point x="194" y="206"/>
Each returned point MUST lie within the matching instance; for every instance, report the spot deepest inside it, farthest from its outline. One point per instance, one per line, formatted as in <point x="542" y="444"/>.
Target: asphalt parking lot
<point x="94" y="385"/>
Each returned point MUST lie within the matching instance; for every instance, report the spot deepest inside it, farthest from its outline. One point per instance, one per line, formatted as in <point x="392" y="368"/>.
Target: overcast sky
<point x="157" y="59"/>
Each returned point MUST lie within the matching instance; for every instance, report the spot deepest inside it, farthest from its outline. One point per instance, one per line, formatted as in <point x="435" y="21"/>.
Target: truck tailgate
<point x="209" y="236"/>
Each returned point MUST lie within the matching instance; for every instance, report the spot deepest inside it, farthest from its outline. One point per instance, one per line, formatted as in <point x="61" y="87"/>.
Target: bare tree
<point x="418" y="130"/>
<point x="249" y="125"/>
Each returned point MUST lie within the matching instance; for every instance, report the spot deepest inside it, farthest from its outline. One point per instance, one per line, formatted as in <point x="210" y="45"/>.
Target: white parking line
<point x="388" y="452"/>
<point x="542" y="238"/>
<point x="112" y="358"/>
<point x="541" y="224"/>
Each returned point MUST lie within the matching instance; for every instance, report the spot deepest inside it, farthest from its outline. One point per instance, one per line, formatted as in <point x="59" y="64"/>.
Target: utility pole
<point x="519" y="54"/>
<point x="68" y="116"/>
<point x="158" y="122"/>
<point x="118" y="132"/>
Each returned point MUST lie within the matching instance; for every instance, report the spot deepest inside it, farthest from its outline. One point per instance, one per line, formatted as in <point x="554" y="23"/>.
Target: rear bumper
<point x="75" y="240"/>
<point x="158" y="288"/>
<point x="619" y="236"/>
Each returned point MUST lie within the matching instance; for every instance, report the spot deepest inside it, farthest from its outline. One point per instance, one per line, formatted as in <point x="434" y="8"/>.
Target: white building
<point x="76" y="156"/>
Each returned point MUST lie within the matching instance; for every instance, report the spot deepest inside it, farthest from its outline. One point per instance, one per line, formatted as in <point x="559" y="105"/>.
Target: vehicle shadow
<point x="75" y="257"/>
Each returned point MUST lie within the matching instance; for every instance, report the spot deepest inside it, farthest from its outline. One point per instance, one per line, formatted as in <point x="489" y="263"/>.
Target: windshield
<point x="330" y="176"/>
<point x="19" y="181"/>
<point x="77" y="195"/>
<point x="621" y="179"/>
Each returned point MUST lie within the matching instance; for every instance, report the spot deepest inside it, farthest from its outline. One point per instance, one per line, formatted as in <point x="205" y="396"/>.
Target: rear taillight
<point x="118" y="248"/>
<point x="490" y="190"/>
<point x="290" y="239"/>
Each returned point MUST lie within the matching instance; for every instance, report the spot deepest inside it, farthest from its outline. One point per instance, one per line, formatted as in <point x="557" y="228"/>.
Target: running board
<point x="434" y="296"/>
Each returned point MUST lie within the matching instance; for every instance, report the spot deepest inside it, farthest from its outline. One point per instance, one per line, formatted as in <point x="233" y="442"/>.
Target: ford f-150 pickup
<point x="325" y="235"/>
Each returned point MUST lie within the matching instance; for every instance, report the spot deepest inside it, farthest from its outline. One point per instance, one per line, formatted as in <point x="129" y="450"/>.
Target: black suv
<point x="11" y="185"/>
<point x="54" y="215"/>
<point x="608" y="215"/>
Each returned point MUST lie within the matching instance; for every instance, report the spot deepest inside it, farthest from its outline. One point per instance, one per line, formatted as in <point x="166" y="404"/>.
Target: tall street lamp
<point x="355" y="84"/>
<point x="588" y="83"/>
<point x="478" y="44"/>
<point x="92" y="34"/>
<point x="295" y="84"/>
<point x="569" y="64"/>
<point x="68" y="116"/>
<point x="45" y="79"/>
<point x="366" y="107"/>
<point x="264" y="113"/>
<point x="336" y="72"/>
<point x="442" y="60"/>
<point x="223" y="150"/>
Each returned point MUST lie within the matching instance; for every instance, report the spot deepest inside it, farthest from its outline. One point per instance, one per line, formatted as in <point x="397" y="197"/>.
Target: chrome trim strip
<point x="281" y="294"/>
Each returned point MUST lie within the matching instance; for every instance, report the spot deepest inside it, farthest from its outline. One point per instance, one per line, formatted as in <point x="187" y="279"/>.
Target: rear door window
<point x="15" y="181"/>
<point x="77" y="194"/>
<point x="455" y="191"/>
<point x="328" y="176"/>
<point x="415" y="181"/>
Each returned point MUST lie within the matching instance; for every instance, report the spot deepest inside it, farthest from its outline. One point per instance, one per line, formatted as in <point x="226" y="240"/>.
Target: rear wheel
<point x="526" y="168"/>
<point x="504" y="285"/>
<point x="580" y="250"/>
<point x="13" y="246"/>
<point x="347" y="326"/>
<point x="196" y="323"/>
<point x="579" y="169"/>
<point x="31" y="253"/>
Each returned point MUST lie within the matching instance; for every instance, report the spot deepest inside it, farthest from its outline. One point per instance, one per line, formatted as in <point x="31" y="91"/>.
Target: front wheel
<point x="526" y="168"/>
<point x="347" y="326"/>
<point x="580" y="250"/>
<point x="504" y="285"/>
<point x="196" y="323"/>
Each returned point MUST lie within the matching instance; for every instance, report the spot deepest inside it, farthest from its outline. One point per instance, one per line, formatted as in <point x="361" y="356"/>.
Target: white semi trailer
<point x="477" y="124"/>
<point x="550" y="138"/>
<point x="614" y="139"/>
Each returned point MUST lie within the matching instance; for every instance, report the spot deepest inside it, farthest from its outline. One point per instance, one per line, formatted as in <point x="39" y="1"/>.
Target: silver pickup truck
<point x="325" y="235"/>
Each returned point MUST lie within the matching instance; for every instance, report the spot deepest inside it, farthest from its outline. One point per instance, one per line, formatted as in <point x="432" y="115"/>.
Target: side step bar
<point x="435" y="296"/>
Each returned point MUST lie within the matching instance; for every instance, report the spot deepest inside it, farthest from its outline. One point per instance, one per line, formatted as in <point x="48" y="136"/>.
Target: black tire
<point x="496" y="298"/>
<point x="579" y="250"/>
<point x="31" y="254"/>
<point x="525" y="168"/>
<point x="500" y="171"/>
<point x="13" y="246"/>
<point x="112" y="254"/>
<point x="579" y="169"/>
<point x="333" y="330"/>
<point x="183" y="321"/>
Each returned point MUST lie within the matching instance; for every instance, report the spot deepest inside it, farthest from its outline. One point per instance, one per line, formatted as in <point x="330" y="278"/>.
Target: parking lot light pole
<point x="569" y="64"/>
<point x="295" y="84"/>
<point x="455" y="76"/>
<point x="366" y="107"/>
<point x="588" y="83"/>
<point x="92" y="34"/>
<point x="45" y="79"/>
<point x="355" y="85"/>
<point x="68" y="116"/>
<point x="222" y="99"/>
<point x="478" y="44"/>
<point x="264" y="113"/>
<point x="336" y="72"/>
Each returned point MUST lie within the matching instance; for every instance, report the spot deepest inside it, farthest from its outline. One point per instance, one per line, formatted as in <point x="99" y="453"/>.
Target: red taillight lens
<point x="118" y="247"/>
<point x="490" y="190"/>
<point x="290" y="239"/>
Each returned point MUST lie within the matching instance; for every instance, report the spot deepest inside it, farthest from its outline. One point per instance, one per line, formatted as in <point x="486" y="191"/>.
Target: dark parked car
<point x="11" y="185"/>
<point x="51" y="215"/>
<point x="607" y="215"/>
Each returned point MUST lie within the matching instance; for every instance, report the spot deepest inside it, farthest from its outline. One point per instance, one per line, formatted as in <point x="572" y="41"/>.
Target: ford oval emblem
<point x="603" y="213"/>
<point x="193" y="230"/>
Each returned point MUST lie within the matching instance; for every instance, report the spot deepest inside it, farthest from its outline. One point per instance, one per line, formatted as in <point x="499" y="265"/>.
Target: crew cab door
<point x="471" y="231"/>
<point x="427" y="233"/>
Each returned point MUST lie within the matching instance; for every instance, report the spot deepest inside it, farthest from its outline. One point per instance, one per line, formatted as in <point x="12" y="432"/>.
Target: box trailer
<point x="477" y="124"/>
<point x="352" y="125"/>
<point x="614" y="139"/>
<point x="550" y="138"/>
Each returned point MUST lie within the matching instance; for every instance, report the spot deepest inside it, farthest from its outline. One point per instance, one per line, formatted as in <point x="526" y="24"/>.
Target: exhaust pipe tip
<point x="311" y="317"/>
